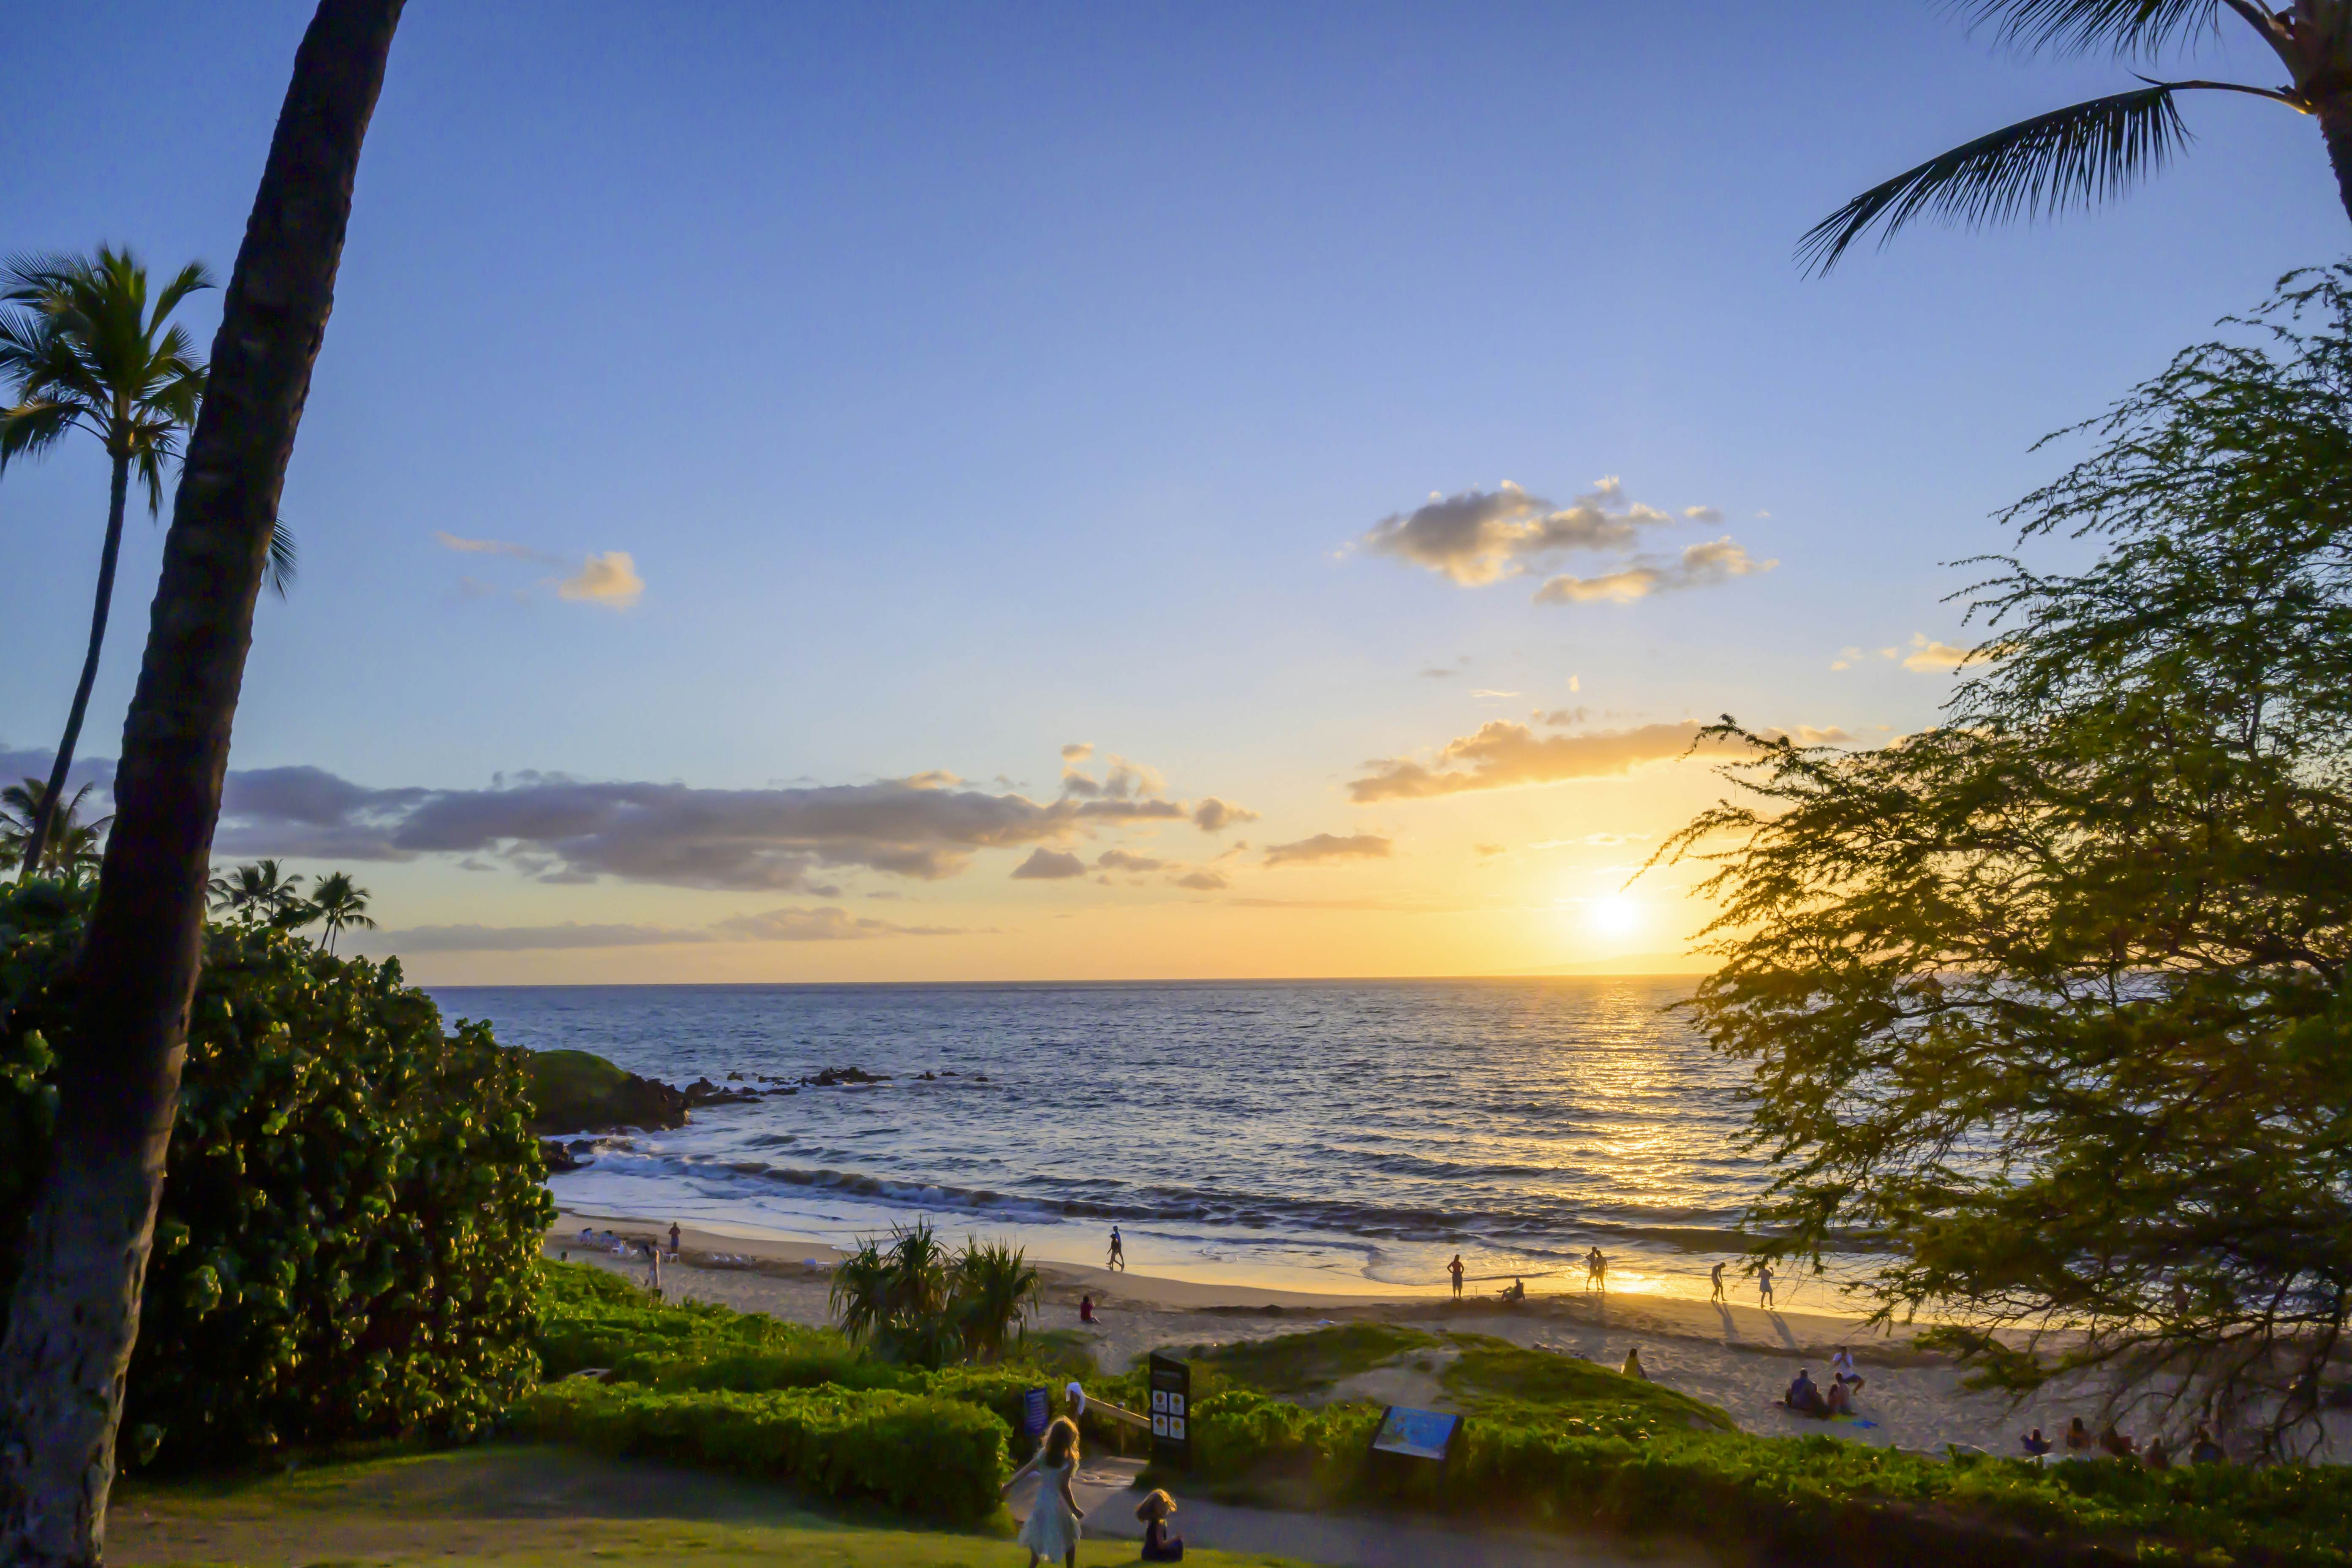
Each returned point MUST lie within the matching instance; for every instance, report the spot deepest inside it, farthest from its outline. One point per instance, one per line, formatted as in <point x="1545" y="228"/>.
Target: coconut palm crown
<point x="2088" y="152"/>
<point x="339" y="905"/>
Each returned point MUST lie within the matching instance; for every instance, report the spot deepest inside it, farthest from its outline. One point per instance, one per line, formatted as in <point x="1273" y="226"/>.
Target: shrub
<point x="914" y="1453"/>
<point x="347" y="1240"/>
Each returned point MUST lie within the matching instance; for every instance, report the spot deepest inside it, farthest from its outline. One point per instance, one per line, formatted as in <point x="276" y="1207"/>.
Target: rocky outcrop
<point x="575" y="1091"/>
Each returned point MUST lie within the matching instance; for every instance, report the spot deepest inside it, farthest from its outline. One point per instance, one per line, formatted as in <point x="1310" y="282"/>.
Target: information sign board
<point x="1416" y="1434"/>
<point x="1172" y="1412"/>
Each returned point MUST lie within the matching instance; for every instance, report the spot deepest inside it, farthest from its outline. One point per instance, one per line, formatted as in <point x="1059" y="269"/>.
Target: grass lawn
<point x="522" y="1504"/>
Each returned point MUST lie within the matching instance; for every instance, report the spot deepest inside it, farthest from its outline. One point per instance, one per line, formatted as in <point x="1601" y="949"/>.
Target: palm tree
<point x="340" y="904"/>
<point x="257" y="892"/>
<point x="74" y="1311"/>
<point x="2088" y="153"/>
<point x="72" y="849"/>
<point x="87" y="351"/>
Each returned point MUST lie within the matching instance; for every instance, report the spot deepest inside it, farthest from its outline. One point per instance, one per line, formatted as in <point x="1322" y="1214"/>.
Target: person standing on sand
<point x="1764" y="1286"/>
<point x="1118" y="1258"/>
<point x="674" y="1235"/>
<point x="1454" y="1268"/>
<point x="1717" y="1278"/>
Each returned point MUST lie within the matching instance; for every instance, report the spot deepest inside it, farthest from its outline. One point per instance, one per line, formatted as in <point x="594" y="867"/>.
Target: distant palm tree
<point x="340" y="904"/>
<point x="2088" y="153"/>
<point x="996" y="1289"/>
<point x="257" y="892"/>
<point x="72" y="848"/>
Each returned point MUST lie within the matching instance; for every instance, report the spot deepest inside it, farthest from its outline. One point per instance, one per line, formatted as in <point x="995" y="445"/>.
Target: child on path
<point x="1051" y="1528"/>
<point x="1159" y="1546"/>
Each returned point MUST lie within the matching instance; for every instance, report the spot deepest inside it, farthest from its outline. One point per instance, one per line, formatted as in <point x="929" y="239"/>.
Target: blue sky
<point x="962" y="383"/>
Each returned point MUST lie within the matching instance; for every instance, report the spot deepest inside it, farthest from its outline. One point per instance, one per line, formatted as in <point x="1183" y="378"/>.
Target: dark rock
<point x="833" y="1078"/>
<point x="783" y="1091"/>
<point x="575" y="1091"/>
<point x="928" y="1078"/>
<point x="558" y="1157"/>
<point x="734" y="1078"/>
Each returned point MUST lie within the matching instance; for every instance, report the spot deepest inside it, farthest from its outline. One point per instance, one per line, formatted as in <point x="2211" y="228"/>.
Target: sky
<point x="897" y="492"/>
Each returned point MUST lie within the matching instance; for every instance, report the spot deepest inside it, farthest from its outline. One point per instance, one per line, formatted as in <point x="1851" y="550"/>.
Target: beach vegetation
<point x="70" y="851"/>
<point x="347" y="1243"/>
<point x="339" y="904"/>
<point x="913" y="1300"/>
<point x="2057" y="994"/>
<point x="2096" y="151"/>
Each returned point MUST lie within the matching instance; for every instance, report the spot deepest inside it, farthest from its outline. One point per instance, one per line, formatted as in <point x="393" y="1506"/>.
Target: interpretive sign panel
<point x="1172" y="1412"/>
<point x="1034" y="1414"/>
<point x="1416" y="1434"/>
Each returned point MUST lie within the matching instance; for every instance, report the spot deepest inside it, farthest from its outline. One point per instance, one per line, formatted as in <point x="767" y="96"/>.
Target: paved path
<point x="1349" y="1540"/>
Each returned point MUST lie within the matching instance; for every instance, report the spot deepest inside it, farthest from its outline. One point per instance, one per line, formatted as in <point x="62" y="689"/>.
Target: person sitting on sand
<point x="2078" y="1438"/>
<point x="1159" y="1546"/>
<point x="1086" y="1308"/>
<point x="2117" y="1442"/>
<point x="2036" y="1444"/>
<point x="1805" y="1397"/>
<point x="1633" y="1364"/>
<point x="1517" y="1290"/>
<point x="1454" y="1268"/>
<point x="2202" y="1449"/>
<point x="1839" y="1400"/>
<point x="1051" y="1528"/>
<point x="2156" y="1456"/>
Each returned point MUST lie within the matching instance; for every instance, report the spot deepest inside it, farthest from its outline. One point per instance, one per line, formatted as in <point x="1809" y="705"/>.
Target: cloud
<point x="1488" y="851"/>
<point x="1077" y="750"/>
<point x="1479" y="536"/>
<point x="1214" y="815"/>
<point x="497" y="547"/>
<point x="569" y="830"/>
<point x="1503" y="755"/>
<point x="1330" y="846"/>
<point x="610" y="579"/>
<point x="1123" y="860"/>
<point x="1045" y="865"/>
<point x="1845" y="659"/>
<point x="1708" y="515"/>
<point x="1832" y="736"/>
<point x="1561" y="718"/>
<point x="1439" y="674"/>
<point x="1699" y="565"/>
<point x="1937" y="658"/>
<point x="1205" y="881"/>
<point x="822" y="923"/>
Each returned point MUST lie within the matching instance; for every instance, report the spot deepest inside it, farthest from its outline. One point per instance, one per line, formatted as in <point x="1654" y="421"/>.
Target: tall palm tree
<point x="74" y="1311"/>
<point x="2088" y="152"/>
<point x="72" y="849"/>
<point x="84" y="349"/>
<point x="341" y="905"/>
<point x="257" y="892"/>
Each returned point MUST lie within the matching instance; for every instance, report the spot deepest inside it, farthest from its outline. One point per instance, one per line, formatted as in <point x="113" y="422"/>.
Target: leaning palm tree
<point x="341" y="905"/>
<point x="73" y="1312"/>
<point x="2091" y="152"/>
<point x="71" y="850"/>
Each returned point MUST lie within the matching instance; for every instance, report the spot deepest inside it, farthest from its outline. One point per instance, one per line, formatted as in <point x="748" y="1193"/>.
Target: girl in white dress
<point x="1051" y="1528"/>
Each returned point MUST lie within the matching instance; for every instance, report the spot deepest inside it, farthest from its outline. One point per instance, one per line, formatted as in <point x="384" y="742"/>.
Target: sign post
<point x="1172" y="1412"/>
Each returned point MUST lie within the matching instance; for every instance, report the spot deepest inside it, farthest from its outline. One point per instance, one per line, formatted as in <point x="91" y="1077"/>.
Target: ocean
<point x="1338" y="1135"/>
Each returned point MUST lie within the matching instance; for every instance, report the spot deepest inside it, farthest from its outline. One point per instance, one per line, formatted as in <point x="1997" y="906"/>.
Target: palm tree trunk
<point x="74" y="1312"/>
<point x="46" y="816"/>
<point x="2336" y="124"/>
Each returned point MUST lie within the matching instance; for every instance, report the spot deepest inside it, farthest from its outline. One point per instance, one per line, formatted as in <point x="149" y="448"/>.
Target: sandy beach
<point x="1734" y="1356"/>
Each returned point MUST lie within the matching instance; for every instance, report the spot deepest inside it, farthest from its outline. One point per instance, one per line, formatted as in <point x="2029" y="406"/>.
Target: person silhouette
<point x="1454" y="1268"/>
<point x="1118" y="1258"/>
<point x="1716" y="1276"/>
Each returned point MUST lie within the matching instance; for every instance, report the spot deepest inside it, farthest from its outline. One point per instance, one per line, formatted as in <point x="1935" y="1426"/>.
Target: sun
<point x="1614" y="915"/>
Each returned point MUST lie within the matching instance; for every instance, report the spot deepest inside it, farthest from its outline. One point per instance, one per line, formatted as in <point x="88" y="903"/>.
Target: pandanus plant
<point x="2088" y="152"/>
<point x="912" y="1300"/>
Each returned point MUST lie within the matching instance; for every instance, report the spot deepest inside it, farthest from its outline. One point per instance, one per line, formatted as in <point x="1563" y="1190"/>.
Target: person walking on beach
<point x="1051" y="1528"/>
<point x="1118" y="1258"/>
<point x="1718" y="1277"/>
<point x="1454" y="1268"/>
<point x="1764" y="1286"/>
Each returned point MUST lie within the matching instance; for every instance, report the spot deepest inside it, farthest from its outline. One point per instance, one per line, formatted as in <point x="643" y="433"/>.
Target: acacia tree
<point x="2056" y="997"/>
<point x="75" y="1310"/>
<point x="2088" y="152"/>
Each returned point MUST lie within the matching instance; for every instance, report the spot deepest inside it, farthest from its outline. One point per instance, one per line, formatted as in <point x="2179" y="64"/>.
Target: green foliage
<point x="2059" y="995"/>
<point x="915" y="1301"/>
<point x="71" y="851"/>
<point x="939" y="1457"/>
<point x="347" y="1245"/>
<point x="1311" y="1361"/>
<point x="1492" y="1373"/>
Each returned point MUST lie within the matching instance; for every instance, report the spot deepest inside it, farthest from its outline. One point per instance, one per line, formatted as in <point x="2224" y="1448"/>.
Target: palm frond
<point x="2083" y="154"/>
<point x="2078" y="26"/>
<point x="285" y="560"/>
<point x="190" y="278"/>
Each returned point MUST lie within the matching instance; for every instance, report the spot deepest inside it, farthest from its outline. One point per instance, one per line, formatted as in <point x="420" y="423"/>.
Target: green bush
<point x="348" y="1241"/>
<point x="940" y="1458"/>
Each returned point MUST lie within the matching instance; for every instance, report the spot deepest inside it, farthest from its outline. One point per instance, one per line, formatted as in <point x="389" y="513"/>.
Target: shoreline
<point x="1736" y="1357"/>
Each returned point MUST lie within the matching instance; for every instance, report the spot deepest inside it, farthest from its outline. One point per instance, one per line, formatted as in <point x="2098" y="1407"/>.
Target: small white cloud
<point x="609" y="579"/>
<point x="1709" y="515"/>
<point x="496" y="547"/>
<point x="1936" y="658"/>
<point x="1214" y="815"/>
<point x="1574" y="684"/>
<point x="1845" y="659"/>
<point x="1202" y="881"/>
<point x="1048" y="866"/>
<point x="1077" y="750"/>
<point x="1715" y="560"/>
